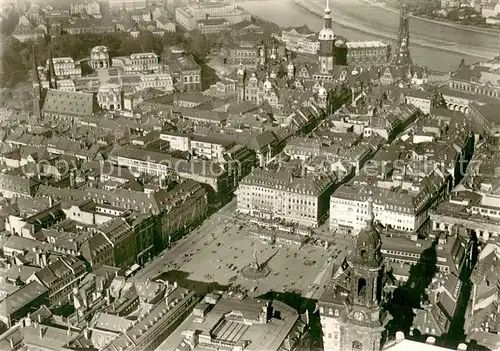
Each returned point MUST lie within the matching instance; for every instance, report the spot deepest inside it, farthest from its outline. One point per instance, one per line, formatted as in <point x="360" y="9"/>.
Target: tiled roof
<point x="22" y="297"/>
<point x="301" y="30"/>
<point x="13" y="183"/>
<point x="490" y="112"/>
<point x="287" y="182"/>
<point x="69" y="103"/>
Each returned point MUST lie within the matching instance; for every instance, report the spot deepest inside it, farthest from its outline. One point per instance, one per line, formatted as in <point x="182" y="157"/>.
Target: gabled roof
<point x="68" y="103"/>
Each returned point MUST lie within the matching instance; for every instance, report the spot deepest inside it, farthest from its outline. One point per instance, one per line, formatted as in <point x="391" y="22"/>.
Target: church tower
<point x="52" y="74"/>
<point x="363" y="326"/>
<point x="350" y="308"/>
<point x="37" y="87"/>
<point x="402" y="54"/>
<point x="326" y="38"/>
<point x="290" y="69"/>
<point x="241" y="73"/>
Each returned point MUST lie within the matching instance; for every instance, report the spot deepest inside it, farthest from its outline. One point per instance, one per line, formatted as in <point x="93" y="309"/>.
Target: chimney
<point x="400" y="336"/>
<point x="51" y="201"/>
<point x="44" y="259"/>
<point x="175" y="285"/>
<point x="40" y="332"/>
<point x="39" y="318"/>
<point x="108" y="296"/>
<point x="11" y="340"/>
<point x="86" y="333"/>
<point x="462" y="347"/>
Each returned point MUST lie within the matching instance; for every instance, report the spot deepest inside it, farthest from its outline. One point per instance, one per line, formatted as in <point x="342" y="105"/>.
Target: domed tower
<point x="241" y="73"/>
<point x="326" y="38"/>
<point x="364" y="326"/>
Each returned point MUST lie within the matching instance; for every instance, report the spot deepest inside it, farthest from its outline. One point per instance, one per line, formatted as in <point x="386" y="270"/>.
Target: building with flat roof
<point x="241" y="323"/>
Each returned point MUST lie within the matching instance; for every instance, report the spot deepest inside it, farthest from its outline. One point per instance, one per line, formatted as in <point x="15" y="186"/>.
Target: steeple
<point x="326" y="38"/>
<point x="52" y="74"/>
<point x="327" y="18"/>
<point x="402" y="53"/>
<point x="34" y="72"/>
<point x="37" y="87"/>
<point x="369" y="217"/>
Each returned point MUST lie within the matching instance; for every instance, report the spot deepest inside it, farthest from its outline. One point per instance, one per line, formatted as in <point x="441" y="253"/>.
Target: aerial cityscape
<point x="250" y="175"/>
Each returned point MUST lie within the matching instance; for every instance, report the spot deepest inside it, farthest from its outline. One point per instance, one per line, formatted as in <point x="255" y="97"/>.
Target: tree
<point x="9" y="22"/>
<point x="173" y="39"/>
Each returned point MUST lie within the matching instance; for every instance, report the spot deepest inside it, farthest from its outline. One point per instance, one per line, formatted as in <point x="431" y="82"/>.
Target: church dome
<point x="326" y="34"/>
<point x="368" y="243"/>
<point x="368" y="239"/>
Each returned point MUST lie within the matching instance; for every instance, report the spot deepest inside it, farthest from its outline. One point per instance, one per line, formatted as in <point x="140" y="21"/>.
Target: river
<point x="437" y="46"/>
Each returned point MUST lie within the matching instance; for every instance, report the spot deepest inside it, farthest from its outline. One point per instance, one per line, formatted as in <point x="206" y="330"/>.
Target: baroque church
<point x="351" y="308"/>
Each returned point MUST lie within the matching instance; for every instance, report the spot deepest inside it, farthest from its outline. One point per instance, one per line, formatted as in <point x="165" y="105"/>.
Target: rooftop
<point x="366" y="44"/>
<point x="22" y="297"/>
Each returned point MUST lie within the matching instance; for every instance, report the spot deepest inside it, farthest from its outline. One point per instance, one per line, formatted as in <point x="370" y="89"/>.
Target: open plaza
<point x="219" y="250"/>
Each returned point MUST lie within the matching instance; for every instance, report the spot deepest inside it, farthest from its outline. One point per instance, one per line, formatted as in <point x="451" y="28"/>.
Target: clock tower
<point x="350" y="308"/>
<point x="326" y="38"/>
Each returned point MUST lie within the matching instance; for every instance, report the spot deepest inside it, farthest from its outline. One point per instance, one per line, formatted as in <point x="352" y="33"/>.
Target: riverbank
<point x="348" y="22"/>
<point x="487" y="31"/>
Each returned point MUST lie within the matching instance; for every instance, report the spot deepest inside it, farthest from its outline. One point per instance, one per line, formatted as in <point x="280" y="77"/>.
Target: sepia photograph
<point x="250" y="175"/>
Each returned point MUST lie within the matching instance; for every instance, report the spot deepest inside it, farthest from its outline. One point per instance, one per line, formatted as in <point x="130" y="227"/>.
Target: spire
<point x="52" y="73"/>
<point x="37" y="87"/>
<point x="327" y="18"/>
<point x="34" y="73"/>
<point x="402" y="53"/>
<point x="370" y="217"/>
